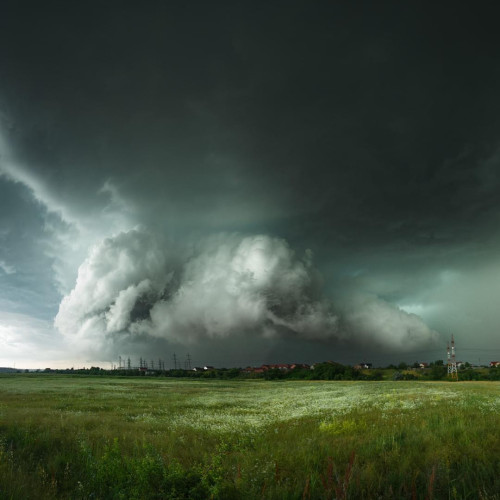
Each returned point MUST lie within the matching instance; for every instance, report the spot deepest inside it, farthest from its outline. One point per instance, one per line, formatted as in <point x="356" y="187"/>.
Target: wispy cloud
<point x="6" y="268"/>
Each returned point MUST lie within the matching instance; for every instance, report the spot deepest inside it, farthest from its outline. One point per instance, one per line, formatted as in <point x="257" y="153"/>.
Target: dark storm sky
<point x="248" y="181"/>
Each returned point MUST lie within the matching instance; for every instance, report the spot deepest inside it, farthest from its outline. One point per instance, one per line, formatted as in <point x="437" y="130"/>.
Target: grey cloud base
<point x="134" y="285"/>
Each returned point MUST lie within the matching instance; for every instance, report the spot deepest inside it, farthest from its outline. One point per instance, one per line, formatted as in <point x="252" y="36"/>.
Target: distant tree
<point x="438" y="372"/>
<point x="351" y="373"/>
<point x="300" y="373"/>
<point x="403" y="366"/>
<point x="375" y="375"/>
<point x="328" y="371"/>
<point x="494" y="373"/>
<point x="233" y="373"/>
<point x="469" y="374"/>
<point x="274" y="374"/>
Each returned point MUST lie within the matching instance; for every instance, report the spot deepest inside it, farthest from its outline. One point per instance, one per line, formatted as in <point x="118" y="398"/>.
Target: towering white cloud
<point x="227" y="285"/>
<point x="222" y="286"/>
<point x="118" y="272"/>
<point x="234" y="285"/>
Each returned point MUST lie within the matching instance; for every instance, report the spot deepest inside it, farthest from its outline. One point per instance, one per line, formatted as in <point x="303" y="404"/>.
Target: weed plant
<point x="117" y="438"/>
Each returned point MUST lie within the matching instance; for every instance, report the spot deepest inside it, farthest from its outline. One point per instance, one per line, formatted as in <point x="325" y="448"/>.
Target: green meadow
<point x="89" y="437"/>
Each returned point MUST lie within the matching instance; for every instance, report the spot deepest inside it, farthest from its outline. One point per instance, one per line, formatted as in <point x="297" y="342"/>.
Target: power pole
<point x="452" y="362"/>
<point x="128" y="363"/>
<point x="174" y="357"/>
<point x="188" y="362"/>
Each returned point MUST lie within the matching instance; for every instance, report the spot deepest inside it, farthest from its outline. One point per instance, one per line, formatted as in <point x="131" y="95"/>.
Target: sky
<point x="248" y="182"/>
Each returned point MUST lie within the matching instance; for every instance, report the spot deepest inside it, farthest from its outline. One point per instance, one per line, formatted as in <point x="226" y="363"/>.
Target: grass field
<point x="99" y="437"/>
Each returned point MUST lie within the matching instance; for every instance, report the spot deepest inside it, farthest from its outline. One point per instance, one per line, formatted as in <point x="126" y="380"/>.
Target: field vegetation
<point x="99" y="437"/>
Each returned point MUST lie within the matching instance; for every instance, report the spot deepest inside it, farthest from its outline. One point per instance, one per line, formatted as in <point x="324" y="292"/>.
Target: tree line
<point x="322" y="371"/>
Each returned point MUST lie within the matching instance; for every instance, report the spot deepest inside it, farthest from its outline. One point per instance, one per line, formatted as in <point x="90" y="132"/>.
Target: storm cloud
<point x="225" y="285"/>
<point x="312" y="181"/>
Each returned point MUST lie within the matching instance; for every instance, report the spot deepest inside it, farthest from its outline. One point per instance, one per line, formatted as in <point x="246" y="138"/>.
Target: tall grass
<point x="83" y="438"/>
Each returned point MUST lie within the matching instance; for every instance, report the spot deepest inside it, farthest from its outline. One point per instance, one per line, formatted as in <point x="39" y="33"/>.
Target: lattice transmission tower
<point x="452" y="362"/>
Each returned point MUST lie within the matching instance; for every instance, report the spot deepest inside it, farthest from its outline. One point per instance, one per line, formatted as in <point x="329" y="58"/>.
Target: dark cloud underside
<point x="368" y="134"/>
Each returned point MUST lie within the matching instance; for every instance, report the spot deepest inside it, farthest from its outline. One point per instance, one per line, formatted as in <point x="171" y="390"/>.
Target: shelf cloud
<point x="224" y="285"/>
